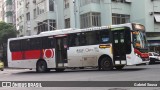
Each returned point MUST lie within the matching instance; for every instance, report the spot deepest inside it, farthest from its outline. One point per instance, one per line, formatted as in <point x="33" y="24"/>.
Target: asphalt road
<point x="129" y="73"/>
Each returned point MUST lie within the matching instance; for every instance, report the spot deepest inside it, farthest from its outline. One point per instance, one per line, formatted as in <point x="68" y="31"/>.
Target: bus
<point x="105" y="48"/>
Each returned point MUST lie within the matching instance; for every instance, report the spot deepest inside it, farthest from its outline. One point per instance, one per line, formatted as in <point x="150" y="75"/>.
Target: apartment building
<point x="1" y="10"/>
<point x="35" y="16"/>
<point x="8" y="11"/>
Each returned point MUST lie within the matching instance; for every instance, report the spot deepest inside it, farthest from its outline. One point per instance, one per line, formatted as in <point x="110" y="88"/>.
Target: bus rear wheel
<point x="59" y="69"/>
<point x="119" y="67"/>
<point x="41" y="66"/>
<point x="106" y="64"/>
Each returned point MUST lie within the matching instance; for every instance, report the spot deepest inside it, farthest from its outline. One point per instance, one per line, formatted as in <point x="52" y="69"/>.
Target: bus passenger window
<point x="105" y="39"/>
<point x="48" y="42"/>
<point x="104" y="36"/>
<point x="83" y="39"/>
<point x="15" y="45"/>
<point x="25" y="44"/>
<point x="91" y="38"/>
<point x="74" y="39"/>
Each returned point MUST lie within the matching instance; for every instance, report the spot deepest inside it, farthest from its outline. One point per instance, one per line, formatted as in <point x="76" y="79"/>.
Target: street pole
<point x="75" y="10"/>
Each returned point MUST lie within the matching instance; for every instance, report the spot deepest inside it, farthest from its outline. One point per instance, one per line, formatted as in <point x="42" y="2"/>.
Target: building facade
<point x="8" y="11"/>
<point x="35" y="16"/>
<point x="1" y="10"/>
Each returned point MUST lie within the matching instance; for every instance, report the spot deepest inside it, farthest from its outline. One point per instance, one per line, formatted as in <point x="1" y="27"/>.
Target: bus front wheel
<point x="119" y="67"/>
<point x="106" y="64"/>
<point x="41" y="66"/>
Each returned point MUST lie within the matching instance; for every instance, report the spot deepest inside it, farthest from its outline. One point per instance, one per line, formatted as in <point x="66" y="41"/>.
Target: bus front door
<point x="118" y="47"/>
<point x="61" y="52"/>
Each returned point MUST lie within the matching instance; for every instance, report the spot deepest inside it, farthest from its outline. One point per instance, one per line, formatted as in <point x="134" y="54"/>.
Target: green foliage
<point x="6" y="31"/>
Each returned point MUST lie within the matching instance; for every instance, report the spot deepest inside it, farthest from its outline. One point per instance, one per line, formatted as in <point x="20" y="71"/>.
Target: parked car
<point x="154" y="57"/>
<point x="1" y="65"/>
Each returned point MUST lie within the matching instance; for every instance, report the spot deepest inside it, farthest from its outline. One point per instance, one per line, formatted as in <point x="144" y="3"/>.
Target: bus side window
<point x="15" y="46"/>
<point x="91" y="38"/>
<point x="48" y="42"/>
<point x="83" y="38"/>
<point x="104" y="36"/>
<point x="74" y="39"/>
<point x="25" y="44"/>
<point x="36" y="43"/>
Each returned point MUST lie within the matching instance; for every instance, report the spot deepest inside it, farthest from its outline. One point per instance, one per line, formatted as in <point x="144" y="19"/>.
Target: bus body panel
<point x="86" y="56"/>
<point x="31" y="59"/>
<point x="132" y="59"/>
<point x="78" y="56"/>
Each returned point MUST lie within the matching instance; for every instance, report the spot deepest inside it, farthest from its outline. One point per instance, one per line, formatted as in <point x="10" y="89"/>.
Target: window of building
<point x="51" y="5"/>
<point x="41" y="8"/>
<point x="46" y="25"/>
<point x="34" y="13"/>
<point x="120" y="18"/>
<point x="52" y="24"/>
<point x="42" y="26"/>
<point x="67" y="23"/>
<point x="8" y="2"/>
<point x="28" y="16"/>
<point x="157" y="18"/>
<point x="90" y="19"/>
<point x="66" y="3"/>
<point x="122" y="1"/>
<point x="85" y="2"/>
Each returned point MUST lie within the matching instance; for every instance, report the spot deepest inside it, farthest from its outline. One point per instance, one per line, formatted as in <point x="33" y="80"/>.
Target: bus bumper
<point x="145" y="62"/>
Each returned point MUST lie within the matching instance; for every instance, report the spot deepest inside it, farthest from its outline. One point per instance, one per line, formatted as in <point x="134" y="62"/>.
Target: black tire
<point x="119" y="67"/>
<point x="48" y="70"/>
<point x="81" y="67"/>
<point x="41" y="66"/>
<point x="152" y="61"/>
<point x="106" y="64"/>
<point x="59" y="69"/>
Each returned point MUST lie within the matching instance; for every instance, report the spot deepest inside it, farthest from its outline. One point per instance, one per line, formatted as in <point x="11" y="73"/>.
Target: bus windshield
<point x="139" y="40"/>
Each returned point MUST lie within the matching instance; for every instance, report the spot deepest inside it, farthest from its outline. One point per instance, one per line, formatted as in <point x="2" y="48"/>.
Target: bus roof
<point x="73" y="30"/>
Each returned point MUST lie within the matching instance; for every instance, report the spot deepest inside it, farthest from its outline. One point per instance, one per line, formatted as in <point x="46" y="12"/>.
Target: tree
<point x="6" y="31"/>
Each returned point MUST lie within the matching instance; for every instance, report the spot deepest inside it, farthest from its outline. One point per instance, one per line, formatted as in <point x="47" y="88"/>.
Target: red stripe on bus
<point x="17" y="55"/>
<point x="33" y="54"/>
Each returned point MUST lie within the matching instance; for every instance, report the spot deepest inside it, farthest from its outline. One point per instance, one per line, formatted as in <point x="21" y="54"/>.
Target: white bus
<point x="105" y="47"/>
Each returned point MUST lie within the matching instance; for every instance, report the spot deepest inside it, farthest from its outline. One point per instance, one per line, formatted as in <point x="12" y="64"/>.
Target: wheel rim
<point x="106" y="64"/>
<point x="41" y="66"/>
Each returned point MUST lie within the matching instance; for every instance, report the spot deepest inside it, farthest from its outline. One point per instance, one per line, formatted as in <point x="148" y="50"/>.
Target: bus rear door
<point x="61" y="51"/>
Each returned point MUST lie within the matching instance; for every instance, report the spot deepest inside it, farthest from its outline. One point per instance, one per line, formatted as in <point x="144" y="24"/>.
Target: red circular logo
<point x="49" y="53"/>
